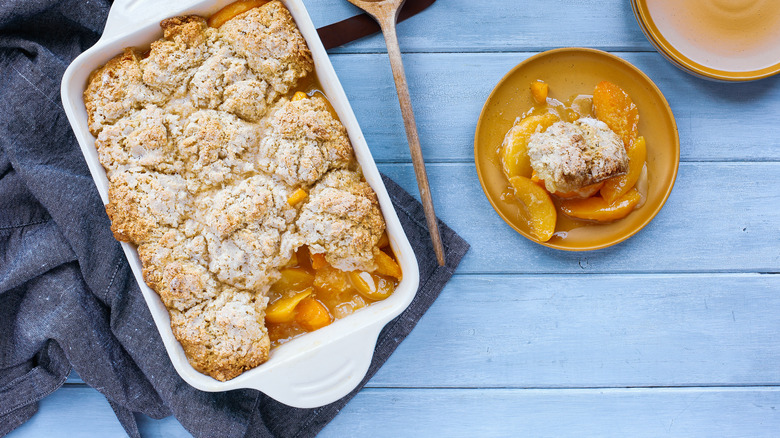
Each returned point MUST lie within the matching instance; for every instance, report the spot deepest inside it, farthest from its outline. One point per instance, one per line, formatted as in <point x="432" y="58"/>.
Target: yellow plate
<point x="726" y="40"/>
<point x="572" y="71"/>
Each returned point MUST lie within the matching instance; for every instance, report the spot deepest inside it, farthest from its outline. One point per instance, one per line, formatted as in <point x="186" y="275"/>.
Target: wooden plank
<point x="722" y="412"/>
<point x="544" y="331"/>
<point x="73" y="378"/>
<point x="716" y="121"/>
<point x="594" y="331"/>
<point x="78" y="410"/>
<point x="501" y="25"/>
<point x="753" y="412"/>
<point x="720" y="217"/>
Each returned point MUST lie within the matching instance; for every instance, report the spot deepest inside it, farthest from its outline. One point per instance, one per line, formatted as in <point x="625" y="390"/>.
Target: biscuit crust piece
<point x="269" y="40"/>
<point x="569" y="156"/>
<point x="172" y="60"/>
<point x="143" y="205"/>
<point x="115" y="89"/>
<point x="138" y="140"/>
<point x="248" y="228"/>
<point x="225" y="82"/>
<point x="225" y="336"/>
<point x="214" y="147"/>
<point x="342" y="219"/>
<point x="304" y="142"/>
<point x="175" y="267"/>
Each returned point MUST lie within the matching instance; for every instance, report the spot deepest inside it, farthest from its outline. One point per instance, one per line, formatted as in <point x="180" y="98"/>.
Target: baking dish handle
<point x="339" y="370"/>
<point x="126" y="15"/>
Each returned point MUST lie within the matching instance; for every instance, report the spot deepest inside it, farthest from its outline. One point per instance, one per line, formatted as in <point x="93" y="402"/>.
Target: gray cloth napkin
<point x="68" y="299"/>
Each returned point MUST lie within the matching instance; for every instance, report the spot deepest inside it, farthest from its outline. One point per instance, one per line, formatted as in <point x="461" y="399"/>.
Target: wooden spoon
<point x="385" y="12"/>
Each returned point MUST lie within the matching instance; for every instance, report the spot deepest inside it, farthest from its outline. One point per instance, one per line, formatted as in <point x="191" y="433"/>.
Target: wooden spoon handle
<point x="388" y="29"/>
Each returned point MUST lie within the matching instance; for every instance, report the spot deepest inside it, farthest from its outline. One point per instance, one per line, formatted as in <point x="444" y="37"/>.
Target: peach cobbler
<point x="233" y="176"/>
<point x="583" y="158"/>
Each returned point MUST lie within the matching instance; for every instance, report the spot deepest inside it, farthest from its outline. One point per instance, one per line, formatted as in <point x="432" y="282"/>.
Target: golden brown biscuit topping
<point x="204" y="150"/>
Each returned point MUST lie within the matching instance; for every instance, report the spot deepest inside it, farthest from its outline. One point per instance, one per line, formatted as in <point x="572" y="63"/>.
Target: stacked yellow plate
<point x="727" y="40"/>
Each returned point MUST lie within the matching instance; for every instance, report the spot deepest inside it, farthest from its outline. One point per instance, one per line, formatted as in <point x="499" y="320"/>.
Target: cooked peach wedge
<point x="312" y="315"/>
<point x="387" y="266"/>
<point x="297" y="196"/>
<point x="539" y="90"/>
<point x="223" y="15"/>
<point x="539" y="206"/>
<point x="597" y="209"/>
<point x="515" y="147"/>
<point x="371" y="286"/>
<point x="299" y="95"/>
<point x="293" y="279"/>
<point x="384" y="241"/>
<point x="318" y="260"/>
<point x="619" y="185"/>
<point x="614" y="107"/>
<point x="283" y="309"/>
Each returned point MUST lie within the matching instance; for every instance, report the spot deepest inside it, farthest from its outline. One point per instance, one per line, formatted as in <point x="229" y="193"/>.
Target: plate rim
<point x="675" y="148"/>
<point x="678" y="59"/>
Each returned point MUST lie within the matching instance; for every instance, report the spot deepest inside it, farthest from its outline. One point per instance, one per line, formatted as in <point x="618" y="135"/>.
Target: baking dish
<point x="319" y="367"/>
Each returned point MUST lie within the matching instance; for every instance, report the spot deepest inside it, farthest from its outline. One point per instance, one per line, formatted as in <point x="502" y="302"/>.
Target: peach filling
<point x="311" y="293"/>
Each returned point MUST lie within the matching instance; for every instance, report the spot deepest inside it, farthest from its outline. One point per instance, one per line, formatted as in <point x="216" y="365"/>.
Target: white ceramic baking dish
<point x="314" y="369"/>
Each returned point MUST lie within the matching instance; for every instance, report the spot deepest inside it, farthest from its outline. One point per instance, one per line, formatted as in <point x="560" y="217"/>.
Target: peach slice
<point x="283" y="309"/>
<point x="293" y="279"/>
<point x="223" y="15"/>
<point x="539" y="90"/>
<point x="373" y="287"/>
<point x="318" y="260"/>
<point x="312" y="315"/>
<point x="293" y="260"/>
<point x="384" y="241"/>
<point x="538" y="204"/>
<point x="330" y="280"/>
<point x="619" y="185"/>
<point x="515" y="147"/>
<point x="614" y="107"/>
<point x="304" y="259"/>
<point x="387" y="266"/>
<point x="597" y="209"/>
<point x="297" y="196"/>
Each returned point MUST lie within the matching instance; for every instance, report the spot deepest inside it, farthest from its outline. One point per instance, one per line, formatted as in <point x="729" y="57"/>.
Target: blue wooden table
<point x="671" y="333"/>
